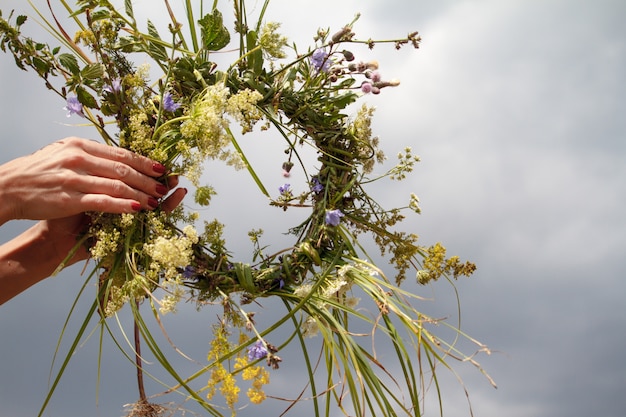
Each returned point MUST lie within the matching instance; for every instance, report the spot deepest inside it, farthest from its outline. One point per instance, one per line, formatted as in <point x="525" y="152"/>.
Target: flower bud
<point x="344" y="34"/>
<point x="349" y="56"/>
<point x="373" y="65"/>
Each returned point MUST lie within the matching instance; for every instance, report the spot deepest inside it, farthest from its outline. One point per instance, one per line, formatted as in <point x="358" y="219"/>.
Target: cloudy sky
<point x="517" y="111"/>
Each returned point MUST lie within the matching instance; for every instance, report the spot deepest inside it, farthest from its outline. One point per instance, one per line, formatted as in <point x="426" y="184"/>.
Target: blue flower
<point x="333" y="217"/>
<point x="73" y="106"/>
<point x="320" y="60"/>
<point x="189" y="272"/>
<point x="284" y="189"/>
<point x="169" y="104"/>
<point x="257" y="351"/>
<point x="316" y="185"/>
<point x="115" y="87"/>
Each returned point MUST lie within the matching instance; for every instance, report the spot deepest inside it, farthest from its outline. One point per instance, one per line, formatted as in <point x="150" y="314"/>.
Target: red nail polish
<point x="135" y="206"/>
<point x="159" y="168"/>
<point x="153" y="203"/>
<point x="161" y="189"/>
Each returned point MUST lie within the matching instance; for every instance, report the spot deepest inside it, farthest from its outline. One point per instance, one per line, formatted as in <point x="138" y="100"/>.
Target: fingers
<point x="117" y="197"/>
<point x="174" y="200"/>
<point x="116" y="180"/>
<point x="116" y="172"/>
<point x="139" y="163"/>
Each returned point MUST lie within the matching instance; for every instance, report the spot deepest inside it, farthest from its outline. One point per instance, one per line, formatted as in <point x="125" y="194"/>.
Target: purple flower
<point x="374" y="76"/>
<point x="284" y="189"/>
<point x="320" y="60"/>
<point x="366" y="87"/>
<point x="169" y="104"/>
<point x="73" y="106"/>
<point x="316" y="185"/>
<point x="257" y="351"/>
<point x="115" y="87"/>
<point x="333" y="217"/>
<point x="189" y="272"/>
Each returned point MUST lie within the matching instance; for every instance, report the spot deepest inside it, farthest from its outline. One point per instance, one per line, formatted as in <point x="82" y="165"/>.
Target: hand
<point x="75" y="175"/>
<point x="36" y="253"/>
<point x="61" y="235"/>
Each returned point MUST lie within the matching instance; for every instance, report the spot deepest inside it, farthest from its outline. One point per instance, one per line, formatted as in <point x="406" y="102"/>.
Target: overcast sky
<point x="517" y="109"/>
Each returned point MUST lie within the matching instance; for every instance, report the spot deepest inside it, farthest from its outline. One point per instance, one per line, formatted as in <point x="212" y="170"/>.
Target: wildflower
<point x="373" y="75"/>
<point x="243" y="108"/>
<point x="287" y="168"/>
<point x="169" y="104"/>
<point x="73" y="106"/>
<point x="423" y="276"/>
<point x="319" y="60"/>
<point x="310" y="328"/>
<point x="316" y="185"/>
<point x="333" y="217"/>
<point x="414" y="204"/>
<point x="257" y="351"/>
<point x="366" y="87"/>
<point x="114" y="87"/>
<point x="189" y="272"/>
<point x="271" y="42"/>
<point x="349" y="56"/>
<point x="284" y="189"/>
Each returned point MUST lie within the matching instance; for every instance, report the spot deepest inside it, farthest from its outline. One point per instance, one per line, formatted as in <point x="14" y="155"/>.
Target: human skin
<point x="56" y="185"/>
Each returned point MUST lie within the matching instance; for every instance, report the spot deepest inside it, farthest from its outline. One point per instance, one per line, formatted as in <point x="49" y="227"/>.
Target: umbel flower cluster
<point x="195" y="111"/>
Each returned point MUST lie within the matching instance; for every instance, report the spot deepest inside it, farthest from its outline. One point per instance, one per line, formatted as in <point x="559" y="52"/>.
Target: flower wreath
<point x="184" y="119"/>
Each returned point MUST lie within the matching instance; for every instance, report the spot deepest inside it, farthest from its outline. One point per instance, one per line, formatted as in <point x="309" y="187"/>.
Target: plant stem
<point x="138" y="363"/>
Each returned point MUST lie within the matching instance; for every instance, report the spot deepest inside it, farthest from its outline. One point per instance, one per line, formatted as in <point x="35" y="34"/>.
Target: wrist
<point x="6" y="209"/>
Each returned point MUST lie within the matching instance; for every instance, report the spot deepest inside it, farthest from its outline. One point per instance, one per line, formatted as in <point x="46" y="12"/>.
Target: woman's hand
<point x="75" y="175"/>
<point x="40" y="250"/>
<point x="61" y="235"/>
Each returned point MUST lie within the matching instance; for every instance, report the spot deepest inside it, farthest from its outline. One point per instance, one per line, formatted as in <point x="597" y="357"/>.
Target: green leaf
<point x="69" y="62"/>
<point x="215" y="36"/>
<point x="21" y="19"/>
<point x="255" y="59"/>
<point x="92" y="71"/>
<point x="41" y="66"/>
<point x="156" y="50"/>
<point x="100" y="15"/>
<point x="128" y="5"/>
<point x="204" y="194"/>
<point x="85" y="98"/>
<point x="244" y="276"/>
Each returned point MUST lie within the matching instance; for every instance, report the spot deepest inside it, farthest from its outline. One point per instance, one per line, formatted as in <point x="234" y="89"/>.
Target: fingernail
<point x="161" y="189"/>
<point x="153" y="203"/>
<point x="159" y="168"/>
<point x="135" y="206"/>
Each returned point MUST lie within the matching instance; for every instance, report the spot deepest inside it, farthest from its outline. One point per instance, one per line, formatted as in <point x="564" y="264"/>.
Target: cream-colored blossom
<point x="242" y="107"/>
<point x="171" y="300"/>
<point x="272" y="43"/>
<point x="170" y="253"/>
<point x="191" y="233"/>
<point x="107" y="241"/>
<point x="310" y="328"/>
<point x="351" y="302"/>
<point x="335" y="287"/>
<point x="205" y="128"/>
<point x="302" y="291"/>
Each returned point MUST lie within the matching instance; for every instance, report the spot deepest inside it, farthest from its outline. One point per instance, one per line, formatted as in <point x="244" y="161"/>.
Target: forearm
<point x="26" y="260"/>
